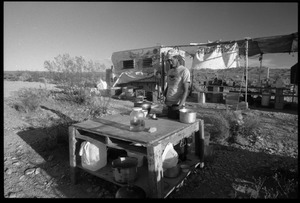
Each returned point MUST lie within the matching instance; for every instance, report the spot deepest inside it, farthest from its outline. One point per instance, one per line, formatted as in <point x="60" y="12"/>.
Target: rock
<point x="241" y="141"/>
<point x="9" y="171"/>
<point x="29" y="171"/>
<point x="22" y="178"/>
<point x="16" y="163"/>
<point x="12" y="195"/>
<point x="37" y="171"/>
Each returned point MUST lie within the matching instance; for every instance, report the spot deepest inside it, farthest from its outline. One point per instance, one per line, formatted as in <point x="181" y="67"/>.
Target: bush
<point x="221" y="127"/>
<point x="99" y="105"/>
<point x="29" y="99"/>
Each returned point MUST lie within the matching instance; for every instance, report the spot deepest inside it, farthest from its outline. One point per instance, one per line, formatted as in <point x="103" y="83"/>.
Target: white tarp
<point x="217" y="57"/>
<point x="126" y="77"/>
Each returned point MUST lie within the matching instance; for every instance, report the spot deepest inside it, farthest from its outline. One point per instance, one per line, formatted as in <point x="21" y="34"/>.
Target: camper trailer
<point x="142" y="69"/>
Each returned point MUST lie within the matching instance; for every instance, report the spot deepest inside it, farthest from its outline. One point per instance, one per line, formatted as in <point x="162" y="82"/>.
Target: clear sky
<point x="39" y="31"/>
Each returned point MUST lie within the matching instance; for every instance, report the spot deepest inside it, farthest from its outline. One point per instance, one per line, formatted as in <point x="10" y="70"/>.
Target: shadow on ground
<point x="231" y="172"/>
<point x="226" y="165"/>
<point x="52" y="145"/>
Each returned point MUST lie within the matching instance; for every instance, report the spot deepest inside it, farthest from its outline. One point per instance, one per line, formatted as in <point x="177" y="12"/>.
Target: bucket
<point x="265" y="100"/>
<point x="139" y="157"/>
<point x="125" y="169"/>
<point x="201" y="97"/>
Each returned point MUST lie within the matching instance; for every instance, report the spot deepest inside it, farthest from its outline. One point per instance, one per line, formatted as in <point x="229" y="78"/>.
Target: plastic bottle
<point x="137" y="122"/>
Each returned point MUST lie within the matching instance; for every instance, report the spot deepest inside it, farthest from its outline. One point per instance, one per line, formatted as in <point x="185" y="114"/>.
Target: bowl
<point x="185" y="168"/>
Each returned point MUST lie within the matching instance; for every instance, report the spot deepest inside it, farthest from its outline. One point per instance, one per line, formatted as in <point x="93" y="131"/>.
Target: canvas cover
<point x="139" y="72"/>
<point x="215" y="57"/>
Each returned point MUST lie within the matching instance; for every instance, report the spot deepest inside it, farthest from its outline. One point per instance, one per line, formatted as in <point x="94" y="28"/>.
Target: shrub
<point x="221" y="127"/>
<point x="29" y="99"/>
<point x="99" y="105"/>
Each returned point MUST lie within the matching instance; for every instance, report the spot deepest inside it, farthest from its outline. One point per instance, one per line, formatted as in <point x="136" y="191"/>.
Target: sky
<point x="38" y="31"/>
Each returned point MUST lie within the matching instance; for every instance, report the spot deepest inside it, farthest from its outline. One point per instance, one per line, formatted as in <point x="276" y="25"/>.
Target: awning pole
<point x="260" y="67"/>
<point x="246" y="55"/>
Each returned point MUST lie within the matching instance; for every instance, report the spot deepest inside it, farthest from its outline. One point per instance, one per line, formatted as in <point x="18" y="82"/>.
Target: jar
<point x="137" y="122"/>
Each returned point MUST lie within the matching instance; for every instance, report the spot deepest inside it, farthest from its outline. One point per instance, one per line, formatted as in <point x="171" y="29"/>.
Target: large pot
<point x="187" y="116"/>
<point x="131" y="191"/>
<point x="125" y="169"/>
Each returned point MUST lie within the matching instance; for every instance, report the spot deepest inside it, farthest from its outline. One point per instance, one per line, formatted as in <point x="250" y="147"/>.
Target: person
<point x="178" y="81"/>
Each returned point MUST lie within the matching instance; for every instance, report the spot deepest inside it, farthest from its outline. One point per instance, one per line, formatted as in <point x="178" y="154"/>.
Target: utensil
<point x="187" y="116"/>
<point x="130" y="191"/>
<point x="125" y="169"/>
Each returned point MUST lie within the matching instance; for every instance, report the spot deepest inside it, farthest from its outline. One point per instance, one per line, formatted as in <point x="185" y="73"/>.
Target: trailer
<point x="142" y="69"/>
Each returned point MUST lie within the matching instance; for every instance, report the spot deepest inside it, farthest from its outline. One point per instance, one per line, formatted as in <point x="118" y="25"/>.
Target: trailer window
<point x="128" y="64"/>
<point x="147" y="63"/>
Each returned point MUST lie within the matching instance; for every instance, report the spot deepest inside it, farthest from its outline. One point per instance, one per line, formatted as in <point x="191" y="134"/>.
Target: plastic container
<point x="265" y="100"/>
<point x="93" y="155"/>
<point x="140" y="157"/>
<point x="137" y="122"/>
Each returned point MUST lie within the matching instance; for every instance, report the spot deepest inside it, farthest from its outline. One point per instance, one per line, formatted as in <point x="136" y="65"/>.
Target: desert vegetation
<point x="75" y="77"/>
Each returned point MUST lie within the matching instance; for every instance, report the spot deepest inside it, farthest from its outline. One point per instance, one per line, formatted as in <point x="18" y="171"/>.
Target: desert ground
<point x="36" y="162"/>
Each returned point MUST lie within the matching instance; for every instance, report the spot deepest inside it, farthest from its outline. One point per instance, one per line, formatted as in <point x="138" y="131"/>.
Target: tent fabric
<point x="127" y="77"/>
<point x="273" y="44"/>
<point x="262" y="45"/>
<point x="294" y="74"/>
<point x="218" y="57"/>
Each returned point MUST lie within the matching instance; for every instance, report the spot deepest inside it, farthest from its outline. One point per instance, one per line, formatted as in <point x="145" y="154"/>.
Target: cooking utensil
<point x="145" y="105"/>
<point x="125" y="169"/>
<point x="187" y="116"/>
<point x="130" y="191"/>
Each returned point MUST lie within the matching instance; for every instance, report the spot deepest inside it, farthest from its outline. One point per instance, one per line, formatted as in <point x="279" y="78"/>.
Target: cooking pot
<point x="173" y="111"/>
<point x="130" y="191"/>
<point x="187" y="116"/>
<point x="145" y="105"/>
<point x="125" y="169"/>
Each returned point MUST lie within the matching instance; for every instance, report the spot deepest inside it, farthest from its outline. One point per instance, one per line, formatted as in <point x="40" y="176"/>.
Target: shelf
<point x="169" y="184"/>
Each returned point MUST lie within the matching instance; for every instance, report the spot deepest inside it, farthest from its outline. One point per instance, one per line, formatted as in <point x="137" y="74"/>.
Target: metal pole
<point x="246" y="55"/>
<point x="260" y="67"/>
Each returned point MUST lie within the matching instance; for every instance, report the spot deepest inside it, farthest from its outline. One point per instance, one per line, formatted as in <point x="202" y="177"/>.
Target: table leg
<point x="72" y="155"/>
<point x="155" y="171"/>
<point x="199" y="143"/>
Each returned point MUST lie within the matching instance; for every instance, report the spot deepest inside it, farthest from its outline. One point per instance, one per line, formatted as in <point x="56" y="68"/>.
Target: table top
<point x="117" y="126"/>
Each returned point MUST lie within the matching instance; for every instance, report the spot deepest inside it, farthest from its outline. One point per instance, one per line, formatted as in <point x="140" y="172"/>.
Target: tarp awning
<point x="273" y="44"/>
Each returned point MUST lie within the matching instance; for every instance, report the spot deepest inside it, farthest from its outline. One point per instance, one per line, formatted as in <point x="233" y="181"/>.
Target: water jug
<point x="137" y="122"/>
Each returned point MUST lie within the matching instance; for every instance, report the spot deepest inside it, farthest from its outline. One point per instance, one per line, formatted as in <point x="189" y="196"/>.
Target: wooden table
<point x="113" y="130"/>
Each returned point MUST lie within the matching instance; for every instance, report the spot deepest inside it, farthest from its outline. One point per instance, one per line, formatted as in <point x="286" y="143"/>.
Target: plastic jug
<point x="93" y="155"/>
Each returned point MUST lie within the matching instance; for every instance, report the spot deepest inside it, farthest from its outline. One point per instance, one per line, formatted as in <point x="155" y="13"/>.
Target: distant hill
<point x="236" y="74"/>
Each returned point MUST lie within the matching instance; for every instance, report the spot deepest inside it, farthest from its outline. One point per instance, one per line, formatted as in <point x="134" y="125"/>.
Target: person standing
<point x="178" y="81"/>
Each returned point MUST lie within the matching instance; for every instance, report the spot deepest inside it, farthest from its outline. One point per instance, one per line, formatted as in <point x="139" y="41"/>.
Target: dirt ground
<point x="36" y="163"/>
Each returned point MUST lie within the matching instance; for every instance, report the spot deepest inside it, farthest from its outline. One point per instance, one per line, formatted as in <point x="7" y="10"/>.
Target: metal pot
<point x="145" y="105"/>
<point x="131" y="191"/>
<point x="187" y="116"/>
<point x="125" y="169"/>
